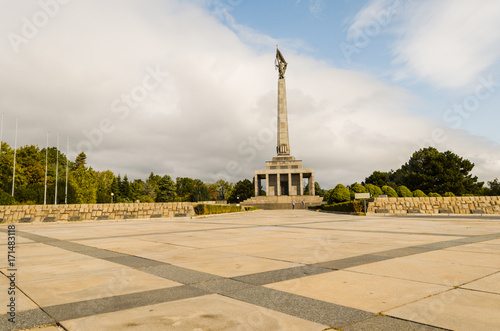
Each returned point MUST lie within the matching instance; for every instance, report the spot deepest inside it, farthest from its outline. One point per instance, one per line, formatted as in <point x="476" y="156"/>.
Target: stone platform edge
<point x="435" y="205"/>
<point x="91" y="212"/>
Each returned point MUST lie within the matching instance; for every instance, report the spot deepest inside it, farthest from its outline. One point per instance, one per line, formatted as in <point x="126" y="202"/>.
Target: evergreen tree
<point x="166" y="189"/>
<point x="81" y="160"/>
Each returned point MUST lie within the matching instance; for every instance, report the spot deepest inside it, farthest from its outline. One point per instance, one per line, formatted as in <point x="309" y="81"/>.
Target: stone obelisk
<point x="283" y="146"/>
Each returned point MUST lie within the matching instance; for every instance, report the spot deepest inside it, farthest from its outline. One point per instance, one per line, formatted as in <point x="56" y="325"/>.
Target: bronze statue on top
<point x="280" y="63"/>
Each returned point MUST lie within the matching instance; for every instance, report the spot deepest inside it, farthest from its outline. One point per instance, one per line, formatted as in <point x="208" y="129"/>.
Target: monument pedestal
<point x="284" y="177"/>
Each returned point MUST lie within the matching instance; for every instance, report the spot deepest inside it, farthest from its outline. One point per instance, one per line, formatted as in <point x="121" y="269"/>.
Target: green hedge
<point x="219" y="209"/>
<point x="345" y="207"/>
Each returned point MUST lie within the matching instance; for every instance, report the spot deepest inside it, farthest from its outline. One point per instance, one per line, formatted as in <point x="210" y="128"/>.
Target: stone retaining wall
<point x="444" y="205"/>
<point x="52" y="213"/>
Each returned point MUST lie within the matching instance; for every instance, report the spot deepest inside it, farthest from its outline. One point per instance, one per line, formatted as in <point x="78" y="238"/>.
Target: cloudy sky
<point x="189" y="88"/>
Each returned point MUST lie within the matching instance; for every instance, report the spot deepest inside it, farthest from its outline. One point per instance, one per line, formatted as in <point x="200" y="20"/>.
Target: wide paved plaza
<point x="262" y="270"/>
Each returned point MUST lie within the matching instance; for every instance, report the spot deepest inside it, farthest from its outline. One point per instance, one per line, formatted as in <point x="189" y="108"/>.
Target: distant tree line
<point x="86" y="185"/>
<point x="427" y="173"/>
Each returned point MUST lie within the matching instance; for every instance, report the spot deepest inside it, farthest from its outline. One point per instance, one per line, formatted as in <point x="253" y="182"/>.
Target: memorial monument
<point x="284" y="175"/>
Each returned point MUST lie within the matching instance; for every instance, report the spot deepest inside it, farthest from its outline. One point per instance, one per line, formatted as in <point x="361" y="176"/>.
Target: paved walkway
<point x="264" y="270"/>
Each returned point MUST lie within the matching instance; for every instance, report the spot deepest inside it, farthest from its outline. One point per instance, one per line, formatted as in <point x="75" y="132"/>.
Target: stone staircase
<point x="282" y="202"/>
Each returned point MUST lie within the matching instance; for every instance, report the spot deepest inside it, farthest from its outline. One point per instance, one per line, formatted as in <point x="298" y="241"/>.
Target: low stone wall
<point x="52" y="213"/>
<point x="444" y="205"/>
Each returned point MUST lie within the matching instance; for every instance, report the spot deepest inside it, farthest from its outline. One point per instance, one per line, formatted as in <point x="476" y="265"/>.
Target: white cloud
<point x="449" y="43"/>
<point x="316" y="7"/>
<point x="217" y="97"/>
<point x="372" y="13"/>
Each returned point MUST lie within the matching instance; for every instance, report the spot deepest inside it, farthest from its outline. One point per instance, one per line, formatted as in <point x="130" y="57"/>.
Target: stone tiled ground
<point x="265" y="270"/>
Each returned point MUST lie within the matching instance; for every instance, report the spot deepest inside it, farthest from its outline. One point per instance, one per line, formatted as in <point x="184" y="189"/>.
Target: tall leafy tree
<point x="317" y="190"/>
<point x="223" y="189"/>
<point x="104" y="182"/>
<point x="200" y="191"/>
<point x="185" y="188"/>
<point x="432" y="171"/>
<point x="6" y="163"/>
<point x="243" y="190"/>
<point x="84" y="182"/>
<point x="380" y="178"/>
<point x="494" y="187"/>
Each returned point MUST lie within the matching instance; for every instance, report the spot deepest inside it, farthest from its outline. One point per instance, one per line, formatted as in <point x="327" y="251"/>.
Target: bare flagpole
<point x="67" y="167"/>
<point x="15" y="154"/>
<point x="46" y="161"/>
<point x="57" y="167"/>
<point x="1" y="136"/>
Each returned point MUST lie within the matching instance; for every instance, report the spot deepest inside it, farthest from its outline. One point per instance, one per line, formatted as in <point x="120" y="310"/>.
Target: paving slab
<point x="81" y="287"/>
<point x="484" y="247"/>
<point x="441" y="272"/>
<point x="487" y="284"/>
<point x="23" y="303"/>
<point x="371" y="293"/>
<point x="456" y="310"/>
<point x="211" y="312"/>
<point x="460" y="258"/>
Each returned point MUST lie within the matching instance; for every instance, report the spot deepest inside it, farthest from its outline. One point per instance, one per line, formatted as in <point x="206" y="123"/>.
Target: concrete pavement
<point x="264" y="270"/>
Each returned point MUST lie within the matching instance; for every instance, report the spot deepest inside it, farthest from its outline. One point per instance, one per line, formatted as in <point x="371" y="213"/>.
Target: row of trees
<point x="428" y="170"/>
<point x="85" y="185"/>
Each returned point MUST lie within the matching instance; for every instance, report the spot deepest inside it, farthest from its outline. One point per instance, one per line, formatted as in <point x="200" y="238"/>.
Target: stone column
<point x="301" y="184"/>
<point x="256" y="180"/>
<point x="283" y="147"/>
<point x="289" y="183"/>
<point x="278" y="184"/>
<point x="267" y="184"/>
<point x="312" y="186"/>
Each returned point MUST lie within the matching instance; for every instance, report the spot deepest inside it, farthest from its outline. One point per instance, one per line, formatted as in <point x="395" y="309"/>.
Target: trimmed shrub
<point x="389" y="191"/>
<point x="374" y="190"/>
<point x="468" y="195"/>
<point x="215" y="209"/>
<point x="146" y="199"/>
<point x="339" y="194"/>
<point x="357" y="188"/>
<point x="419" y="194"/>
<point x="6" y="199"/>
<point x="434" y="195"/>
<point x="404" y="192"/>
<point x="345" y="207"/>
<point x="448" y="194"/>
